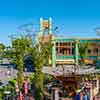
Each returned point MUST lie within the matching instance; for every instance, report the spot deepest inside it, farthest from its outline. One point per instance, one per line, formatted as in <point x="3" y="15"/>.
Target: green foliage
<point x="48" y="78"/>
<point x="20" y="47"/>
<point x="9" y="52"/>
<point x="12" y="82"/>
<point x="2" y="47"/>
<point x="32" y="77"/>
<point x="38" y="85"/>
<point x="40" y="54"/>
<point x="1" y="92"/>
<point x="83" y="51"/>
<point x="37" y="55"/>
<point x="47" y="49"/>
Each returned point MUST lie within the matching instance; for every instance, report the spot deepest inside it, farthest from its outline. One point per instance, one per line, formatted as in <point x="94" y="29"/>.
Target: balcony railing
<point x="72" y="57"/>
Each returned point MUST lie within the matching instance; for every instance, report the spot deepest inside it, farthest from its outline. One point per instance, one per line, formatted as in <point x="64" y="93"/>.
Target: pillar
<point x="53" y="52"/>
<point x="58" y="47"/>
<point x="91" y="93"/>
<point x="50" y="25"/>
<point x="41" y="27"/>
<point x="76" y="52"/>
<point x="71" y="48"/>
<point x="97" y="85"/>
<point x="55" y="94"/>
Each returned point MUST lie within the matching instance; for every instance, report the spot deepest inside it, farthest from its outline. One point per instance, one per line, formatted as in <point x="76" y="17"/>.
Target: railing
<point x="64" y="57"/>
<point x="72" y="57"/>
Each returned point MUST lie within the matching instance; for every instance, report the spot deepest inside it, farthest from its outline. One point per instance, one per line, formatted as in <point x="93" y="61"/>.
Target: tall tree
<point x="2" y="47"/>
<point x="40" y="54"/>
<point x="20" y="47"/>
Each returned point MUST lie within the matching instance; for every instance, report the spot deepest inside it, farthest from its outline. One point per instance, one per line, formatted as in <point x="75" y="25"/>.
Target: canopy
<point x="70" y="70"/>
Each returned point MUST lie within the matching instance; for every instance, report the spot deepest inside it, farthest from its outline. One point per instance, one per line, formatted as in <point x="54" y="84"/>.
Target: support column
<point x="91" y="93"/>
<point x="41" y="27"/>
<point x="97" y="85"/>
<point x="50" y="25"/>
<point x="55" y="94"/>
<point x="53" y="52"/>
<point x="58" y="47"/>
<point x="76" y="52"/>
<point x="71" y="48"/>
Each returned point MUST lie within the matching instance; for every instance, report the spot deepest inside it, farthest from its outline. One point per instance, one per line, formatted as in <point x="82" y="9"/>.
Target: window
<point x="57" y="50"/>
<point x="96" y="50"/>
<point x="89" y="51"/>
<point x="56" y="43"/>
<point x="68" y="43"/>
<point x="73" y="51"/>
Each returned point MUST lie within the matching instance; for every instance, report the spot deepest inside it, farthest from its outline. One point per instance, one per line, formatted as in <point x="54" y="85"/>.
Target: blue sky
<point x="74" y="18"/>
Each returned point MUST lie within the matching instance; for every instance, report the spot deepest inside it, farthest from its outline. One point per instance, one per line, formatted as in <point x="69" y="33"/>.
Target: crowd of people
<point x="24" y="94"/>
<point x="82" y="96"/>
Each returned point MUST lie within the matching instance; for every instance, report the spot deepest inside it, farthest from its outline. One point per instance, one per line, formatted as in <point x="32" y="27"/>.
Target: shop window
<point x="73" y="50"/>
<point x="89" y="51"/>
<point x="61" y="44"/>
<point x="68" y="43"/>
<point x="73" y="44"/>
<point x="57" y="50"/>
<point x="57" y="44"/>
<point x="68" y="51"/>
<point x="96" y="50"/>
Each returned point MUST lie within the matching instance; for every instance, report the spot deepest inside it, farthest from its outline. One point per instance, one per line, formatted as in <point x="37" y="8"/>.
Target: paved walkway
<point x="7" y="74"/>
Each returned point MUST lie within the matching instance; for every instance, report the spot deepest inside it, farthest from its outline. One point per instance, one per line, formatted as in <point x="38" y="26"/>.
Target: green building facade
<point x="66" y="51"/>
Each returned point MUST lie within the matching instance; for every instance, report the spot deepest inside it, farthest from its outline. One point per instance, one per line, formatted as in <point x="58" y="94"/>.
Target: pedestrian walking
<point x="88" y="97"/>
<point x="95" y="98"/>
<point x="77" y="97"/>
<point x="85" y="97"/>
<point x="20" y="97"/>
<point x="81" y="96"/>
<point x="17" y="88"/>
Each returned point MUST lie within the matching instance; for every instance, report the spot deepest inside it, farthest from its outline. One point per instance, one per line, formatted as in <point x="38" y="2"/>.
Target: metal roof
<point x="70" y="70"/>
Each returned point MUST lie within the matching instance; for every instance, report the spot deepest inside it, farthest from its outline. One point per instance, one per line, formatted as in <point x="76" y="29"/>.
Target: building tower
<point x="45" y="27"/>
<point x="45" y="35"/>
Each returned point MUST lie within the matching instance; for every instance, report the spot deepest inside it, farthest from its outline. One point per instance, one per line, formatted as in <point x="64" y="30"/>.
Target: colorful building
<point x="66" y="58"/>
<point x="66" y="50"/>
